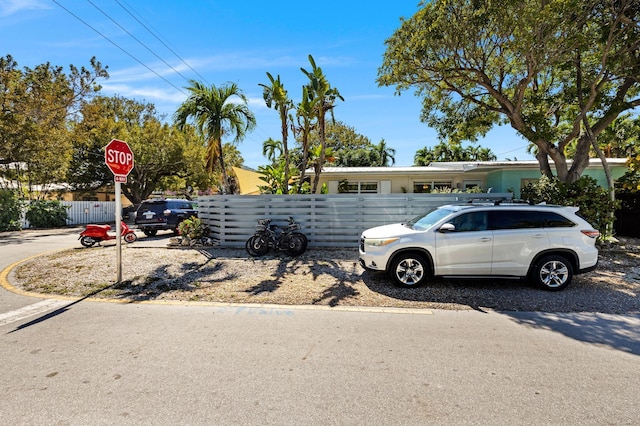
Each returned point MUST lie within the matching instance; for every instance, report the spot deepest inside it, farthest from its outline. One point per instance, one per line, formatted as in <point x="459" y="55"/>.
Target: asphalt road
<point x="79" y="362"/>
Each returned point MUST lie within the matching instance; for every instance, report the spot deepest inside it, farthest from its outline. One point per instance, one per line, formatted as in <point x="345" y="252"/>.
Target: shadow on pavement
<point x="616" y="332"/>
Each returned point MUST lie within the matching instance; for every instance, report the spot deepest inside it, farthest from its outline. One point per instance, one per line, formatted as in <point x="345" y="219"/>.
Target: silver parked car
<point x="544" y="243"/>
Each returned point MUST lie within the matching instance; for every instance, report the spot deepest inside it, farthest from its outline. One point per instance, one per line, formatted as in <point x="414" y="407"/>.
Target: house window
<point x="359" y="188"/>
<point x="470" y="184"/>
<point x="426" y="187"/>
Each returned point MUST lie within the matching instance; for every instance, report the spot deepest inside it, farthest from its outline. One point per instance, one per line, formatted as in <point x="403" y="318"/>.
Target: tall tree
<point x="276" y="97"/>
<point x="557" y="71"/>
<point x="386" y="153"/>
<point x="272" y="149"/>
<point x="163" y="154"/>
<point x="305" y="123"/>
<point x="215" y="115"/>
<point x="323" y="98"/>
<point x="35" y="106"/>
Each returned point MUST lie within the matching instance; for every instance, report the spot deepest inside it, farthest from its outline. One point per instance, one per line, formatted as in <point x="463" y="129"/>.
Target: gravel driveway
<point x="318" y="277"/>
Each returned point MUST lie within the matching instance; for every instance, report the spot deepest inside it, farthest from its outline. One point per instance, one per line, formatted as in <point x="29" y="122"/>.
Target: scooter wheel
<point x="88" y="241"/>
<point x="130" y="237"/>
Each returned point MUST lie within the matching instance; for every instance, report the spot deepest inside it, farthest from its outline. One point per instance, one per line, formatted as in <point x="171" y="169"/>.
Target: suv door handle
<point x="485" y="239"/>
<point x="539" y="236"/>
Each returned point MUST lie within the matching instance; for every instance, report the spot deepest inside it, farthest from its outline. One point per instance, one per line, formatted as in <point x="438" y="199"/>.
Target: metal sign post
<point x="118" y="230"/>
<point x="119" y="158"/>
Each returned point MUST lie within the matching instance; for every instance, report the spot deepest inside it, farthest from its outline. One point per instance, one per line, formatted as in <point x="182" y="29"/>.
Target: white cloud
<point x="11" y="7"/>
<point x="149" y="94"/>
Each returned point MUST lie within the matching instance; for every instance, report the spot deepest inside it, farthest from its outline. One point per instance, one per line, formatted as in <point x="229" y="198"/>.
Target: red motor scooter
<point x="96" y="233"/>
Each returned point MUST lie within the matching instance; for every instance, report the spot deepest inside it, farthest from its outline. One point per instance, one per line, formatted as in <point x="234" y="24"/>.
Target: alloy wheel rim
<point x="554" y="274"/>
<point x="409" y="271"/>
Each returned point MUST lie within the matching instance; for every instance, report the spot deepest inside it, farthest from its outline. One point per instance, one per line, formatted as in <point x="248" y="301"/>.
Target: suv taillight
<point x="591" y="233"/>
<point x="167" y="212"/>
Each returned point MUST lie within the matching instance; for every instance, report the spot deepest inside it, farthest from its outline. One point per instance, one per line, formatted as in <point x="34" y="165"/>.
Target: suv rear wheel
<point x="150" y="232"/>
<point x="409" y="270"/>
<point x="553" y="272"/>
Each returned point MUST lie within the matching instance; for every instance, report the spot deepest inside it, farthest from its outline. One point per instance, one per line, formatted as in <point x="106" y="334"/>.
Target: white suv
<point x="547" y="244"/>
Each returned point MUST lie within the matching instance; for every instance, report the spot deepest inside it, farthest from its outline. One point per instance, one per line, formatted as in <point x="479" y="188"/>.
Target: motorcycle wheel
<point x="88" y="241"/>
<point x="130" y="237"/>
<point x="257" y="245"/>
<point x="294" y="244"/>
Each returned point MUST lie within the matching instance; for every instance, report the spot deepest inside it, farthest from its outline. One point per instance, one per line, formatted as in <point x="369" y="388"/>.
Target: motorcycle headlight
<point x="377" y="242"/>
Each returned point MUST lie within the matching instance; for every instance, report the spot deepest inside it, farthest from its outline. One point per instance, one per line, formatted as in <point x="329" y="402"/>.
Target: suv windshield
<point x="420" y="223"/>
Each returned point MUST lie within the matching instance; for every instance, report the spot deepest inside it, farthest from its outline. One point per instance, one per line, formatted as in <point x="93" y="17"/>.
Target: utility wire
<point x="116" y="45"/>
<point x="160" y="40"/>
<point x="136" y="39"/>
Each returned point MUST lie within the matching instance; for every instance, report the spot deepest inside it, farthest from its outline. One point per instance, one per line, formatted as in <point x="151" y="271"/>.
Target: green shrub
<point x="594" y="201"/>
<point x="193" y="228"/>
<point x="47" y="214"/>
<point x="10" y="211"/>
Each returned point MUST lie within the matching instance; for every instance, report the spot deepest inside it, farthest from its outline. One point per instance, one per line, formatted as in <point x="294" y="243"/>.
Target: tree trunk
<point x="305" y="158"/>
<point x="285" y="149"/>
<point x="320" y="160"/>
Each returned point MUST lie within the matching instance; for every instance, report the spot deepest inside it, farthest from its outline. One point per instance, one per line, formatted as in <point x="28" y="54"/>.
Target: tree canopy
<point x="165" y="157"/>
<point x="36" y="105"/>
<point x="444" y="152"/>
<point x="558" y="71"/>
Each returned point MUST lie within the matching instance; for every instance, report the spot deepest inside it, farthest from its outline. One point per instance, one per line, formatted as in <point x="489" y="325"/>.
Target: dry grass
<point x="318" y="277"/>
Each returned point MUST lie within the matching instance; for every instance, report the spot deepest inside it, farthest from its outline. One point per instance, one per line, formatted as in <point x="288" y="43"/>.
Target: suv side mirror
<point x="447" y="227"/>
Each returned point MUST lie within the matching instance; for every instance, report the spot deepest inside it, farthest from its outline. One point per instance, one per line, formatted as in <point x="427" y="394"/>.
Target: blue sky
<point x="229" y="41"/>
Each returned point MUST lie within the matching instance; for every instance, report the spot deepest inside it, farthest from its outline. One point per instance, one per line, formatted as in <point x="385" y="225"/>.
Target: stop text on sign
<point x="119" y="157"/>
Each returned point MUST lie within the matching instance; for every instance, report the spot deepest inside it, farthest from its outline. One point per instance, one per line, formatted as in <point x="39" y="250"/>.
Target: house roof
<point x="457" y="166"/>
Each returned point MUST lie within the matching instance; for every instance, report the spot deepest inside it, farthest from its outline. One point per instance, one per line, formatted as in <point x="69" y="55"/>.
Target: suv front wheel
<point x="553" y="272"/>
<point x="409" y="270"/>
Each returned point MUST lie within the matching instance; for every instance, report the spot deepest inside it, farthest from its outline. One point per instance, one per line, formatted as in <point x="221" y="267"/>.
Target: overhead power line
<point x="136" y="39"/>
<point x="119" y="47"/>
<point x="160" y="40"/>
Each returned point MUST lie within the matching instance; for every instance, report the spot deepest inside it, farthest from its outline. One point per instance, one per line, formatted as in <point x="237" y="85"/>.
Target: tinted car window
<point x="474" y="221"/>
<point x="515" y="219"/>
<point x="512" y="219"/>
<point x="555" y="220"/>
<point x="179" y="205"/>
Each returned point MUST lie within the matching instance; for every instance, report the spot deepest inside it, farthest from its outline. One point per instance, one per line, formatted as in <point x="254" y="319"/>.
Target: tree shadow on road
<point x="613" y="331"/>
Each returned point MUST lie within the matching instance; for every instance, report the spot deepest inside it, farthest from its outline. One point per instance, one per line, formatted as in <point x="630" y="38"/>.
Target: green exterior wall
<point x="510" y="180"/>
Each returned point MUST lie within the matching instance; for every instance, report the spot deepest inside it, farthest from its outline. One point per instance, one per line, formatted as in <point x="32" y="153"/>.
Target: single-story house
<point x="492" y="176"/>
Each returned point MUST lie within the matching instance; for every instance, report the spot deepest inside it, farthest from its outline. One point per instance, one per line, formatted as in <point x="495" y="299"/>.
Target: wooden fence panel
<point x="326" y="220"/>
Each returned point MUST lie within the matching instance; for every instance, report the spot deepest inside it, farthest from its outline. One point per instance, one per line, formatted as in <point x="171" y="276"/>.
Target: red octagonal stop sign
<point x="118" y="157"/>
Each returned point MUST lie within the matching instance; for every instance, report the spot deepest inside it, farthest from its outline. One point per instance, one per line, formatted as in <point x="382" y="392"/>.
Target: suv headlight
<point x="377" y="242"/>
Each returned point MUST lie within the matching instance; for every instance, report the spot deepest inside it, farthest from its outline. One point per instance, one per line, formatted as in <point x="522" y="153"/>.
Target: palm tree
<point x="385" y="153"/>
<point x="272" y="149"/>
<point x="305" y="119"/>
<point x="215" y="116"/>
<point x="323" y="97"/>
<point x="276" y="97"/>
